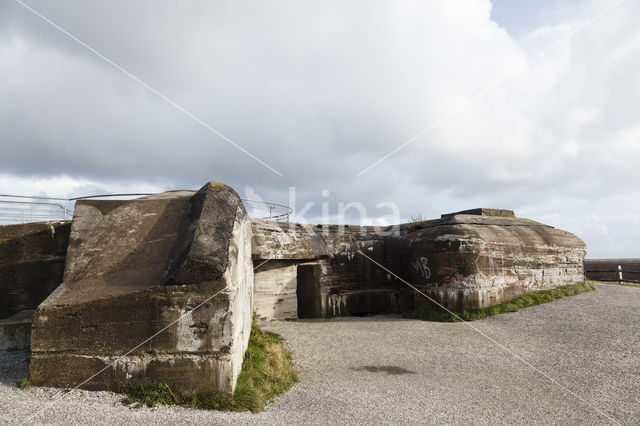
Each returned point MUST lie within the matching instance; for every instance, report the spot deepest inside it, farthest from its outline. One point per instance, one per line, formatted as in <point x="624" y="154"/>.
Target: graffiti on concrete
<point x="421" y="266"/>
<point x="450" y="266"/>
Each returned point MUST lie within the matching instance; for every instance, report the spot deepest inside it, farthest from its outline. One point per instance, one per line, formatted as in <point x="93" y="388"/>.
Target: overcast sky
<point x="522" y="104"/>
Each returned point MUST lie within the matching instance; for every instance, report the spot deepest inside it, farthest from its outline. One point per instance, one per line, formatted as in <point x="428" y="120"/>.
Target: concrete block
<point x="140" y="267"/>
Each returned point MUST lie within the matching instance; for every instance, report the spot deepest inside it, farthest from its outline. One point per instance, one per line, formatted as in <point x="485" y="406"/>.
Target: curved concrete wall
<point x="464" y="260"/>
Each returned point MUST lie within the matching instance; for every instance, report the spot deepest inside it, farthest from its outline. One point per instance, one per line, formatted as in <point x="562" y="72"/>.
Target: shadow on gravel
<point x="389" y="369"/>
<point x="14" y="366"/>
<point x="360" y="318"/>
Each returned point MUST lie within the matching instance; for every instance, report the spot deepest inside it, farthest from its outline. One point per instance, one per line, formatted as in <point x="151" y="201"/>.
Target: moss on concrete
<point x="524" y="301"/>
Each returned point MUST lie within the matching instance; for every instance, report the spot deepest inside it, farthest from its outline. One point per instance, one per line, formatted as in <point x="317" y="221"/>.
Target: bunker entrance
<point x="308" y="291"/>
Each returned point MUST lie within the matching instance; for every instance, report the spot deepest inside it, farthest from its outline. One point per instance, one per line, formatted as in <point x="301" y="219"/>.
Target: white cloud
<point x="320" y="91"/>
<point x="68" y="187"/>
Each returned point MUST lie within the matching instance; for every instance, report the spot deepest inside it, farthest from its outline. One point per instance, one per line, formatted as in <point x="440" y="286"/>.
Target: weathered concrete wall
<point x="139" y="267"/>
<point x="468" y="261"/>
<point x="464" y="260"/>
<point x="286" y="241"/>
<point x="15" y="332"/>
<point x="278" y="248"/>
<point x="32" y="257"/>
<point x="349" y="283"/>
<point x="352" y="284"/>
<point x="274" y="289"/>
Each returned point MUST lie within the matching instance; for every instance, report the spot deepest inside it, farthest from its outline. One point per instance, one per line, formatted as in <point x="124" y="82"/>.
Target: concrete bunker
<point x="464" y="260"/>
<point x="138" y="268"/>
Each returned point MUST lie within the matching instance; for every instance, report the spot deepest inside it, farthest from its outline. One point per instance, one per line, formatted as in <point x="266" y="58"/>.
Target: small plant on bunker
<point x="415" y="220"/>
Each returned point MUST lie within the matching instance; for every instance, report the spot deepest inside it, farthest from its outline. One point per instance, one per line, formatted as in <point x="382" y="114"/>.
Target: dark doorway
<point x="308" y="290"/>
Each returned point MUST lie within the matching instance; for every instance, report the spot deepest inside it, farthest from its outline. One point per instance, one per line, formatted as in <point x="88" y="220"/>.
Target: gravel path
<point x="392" y="370"/>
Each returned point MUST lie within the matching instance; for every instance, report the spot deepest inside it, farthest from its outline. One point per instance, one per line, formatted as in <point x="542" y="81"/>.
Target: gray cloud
<point x="321" y="91"/>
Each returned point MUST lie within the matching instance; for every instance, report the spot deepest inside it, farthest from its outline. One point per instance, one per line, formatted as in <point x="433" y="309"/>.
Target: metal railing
<point x="26" y="208"/>
<point x="267" y="210"/>
<point x="22" y="209"/>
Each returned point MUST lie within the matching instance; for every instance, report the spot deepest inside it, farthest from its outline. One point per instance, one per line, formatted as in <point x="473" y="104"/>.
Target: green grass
<point x="24" y="383"/>
<point x="524" y="301"/>
<point x="624" y="283"/>
<point x="267" y="371"/>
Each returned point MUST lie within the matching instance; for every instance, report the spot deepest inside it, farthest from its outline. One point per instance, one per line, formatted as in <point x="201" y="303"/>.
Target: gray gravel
<point x="391" y="370"/>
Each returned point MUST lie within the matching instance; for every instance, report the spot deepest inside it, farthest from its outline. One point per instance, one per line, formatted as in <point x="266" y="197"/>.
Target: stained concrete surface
<point x="465" y="260"/>
<point x="32" y="257"/>
<point x="15" y="331"/>
<point x="142" y="266"/>
<point x="588" y="343"/>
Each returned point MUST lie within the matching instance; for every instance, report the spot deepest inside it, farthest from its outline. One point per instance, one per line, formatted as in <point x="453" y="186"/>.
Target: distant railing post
<point x="620" y="274"/>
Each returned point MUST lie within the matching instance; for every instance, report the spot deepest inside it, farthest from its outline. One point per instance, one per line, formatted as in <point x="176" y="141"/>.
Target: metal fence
<point x="267" y="210"/>
<point x="22" y="209"/>
<point x="621" y="270"/>
<point x="27" y="208"/>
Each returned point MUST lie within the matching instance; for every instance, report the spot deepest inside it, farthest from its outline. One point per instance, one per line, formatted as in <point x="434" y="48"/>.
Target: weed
<point x="24" y="383"/>
<point x="415" y="221"/>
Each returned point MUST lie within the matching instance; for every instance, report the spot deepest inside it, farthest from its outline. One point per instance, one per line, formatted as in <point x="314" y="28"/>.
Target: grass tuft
<point x="267" y="371"/>
<point x="415" y="221"/>
<point x="24" y="383"/>
<point x="524" y="301"/>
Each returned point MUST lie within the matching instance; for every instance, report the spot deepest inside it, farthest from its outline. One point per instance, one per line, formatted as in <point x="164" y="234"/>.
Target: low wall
<point x="613" y="269"/>
<point x="15" y="331"/>
<point x="32" y="258"/>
